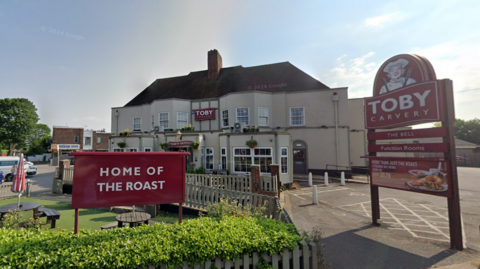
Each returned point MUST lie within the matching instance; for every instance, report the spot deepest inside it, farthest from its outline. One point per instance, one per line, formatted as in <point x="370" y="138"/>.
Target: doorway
<point x="299" y="158"/>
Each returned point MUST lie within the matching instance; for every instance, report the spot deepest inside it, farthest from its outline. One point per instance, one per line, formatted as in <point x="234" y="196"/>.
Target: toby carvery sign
<point x="104" y="179"/>
<point x="405" y="93"/>
<point x="205" y="114"/>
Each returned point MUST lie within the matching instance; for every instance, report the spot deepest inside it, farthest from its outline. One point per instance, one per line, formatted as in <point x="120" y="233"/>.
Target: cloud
<point x="357" y="74"/>
<point x="382" y="20"/>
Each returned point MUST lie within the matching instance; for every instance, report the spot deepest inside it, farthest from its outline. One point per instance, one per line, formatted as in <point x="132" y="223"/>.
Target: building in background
<point x="297" y="121"/>
<point x="69" y="139"/>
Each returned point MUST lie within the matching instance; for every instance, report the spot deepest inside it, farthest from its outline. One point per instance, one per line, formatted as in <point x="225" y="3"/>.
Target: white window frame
<point x="137" y="129"/>
<point x="223" y="119"/>
<point x="186" y="124"/>
<point x="131" y="149"/>
<point x="118" y="150"/>
<point x="160" y="120"/>
<point x="99" y="139"/>
<point x="283" y="156"/>
<point x="248" y="115"/>
<point x="252" y="158"/>
<point x="291" y="116"/>
<point x="223" y="158"/>
<point x="268" y="116"/>
<point x="149" y="149"/>
<point x="88" y="138"/>
<point x="206" y="158"/>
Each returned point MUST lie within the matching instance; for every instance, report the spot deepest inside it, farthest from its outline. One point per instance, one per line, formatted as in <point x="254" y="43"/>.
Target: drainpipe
<point x="335" y="99"/>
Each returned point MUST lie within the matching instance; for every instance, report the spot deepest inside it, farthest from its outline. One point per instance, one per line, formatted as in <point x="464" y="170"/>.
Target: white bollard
<point x="326" y="178"/>
<point x="342" y="179"/>
<point x="315" y="195"/>
<point x="310" y="179"/>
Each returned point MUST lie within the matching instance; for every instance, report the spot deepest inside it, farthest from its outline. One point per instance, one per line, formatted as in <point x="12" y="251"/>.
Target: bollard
<point x="315" y="195"/>
<point x="310" y="179"/>
<point x="342" y="179"/>
<point x="326" y="178"/>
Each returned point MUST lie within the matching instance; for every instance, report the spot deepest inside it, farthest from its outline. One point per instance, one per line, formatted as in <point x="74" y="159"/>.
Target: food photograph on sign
<point x="413" y="175"/>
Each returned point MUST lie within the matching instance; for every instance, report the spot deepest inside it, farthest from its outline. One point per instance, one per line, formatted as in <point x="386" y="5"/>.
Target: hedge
<point x="195" y="240"/>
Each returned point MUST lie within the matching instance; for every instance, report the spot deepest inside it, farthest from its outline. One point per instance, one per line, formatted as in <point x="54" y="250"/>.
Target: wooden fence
<point x="234" y="182"/>
<point x="268" y="183"/>
<point x="302" y="256"/>
<point x="5" y="191"/>
<point x="67" y="176"/>
<point x="201" y="197"/>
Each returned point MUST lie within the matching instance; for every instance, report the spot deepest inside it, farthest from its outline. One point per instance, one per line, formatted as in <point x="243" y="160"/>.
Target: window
<point x="117" y="150"/>
<point x="163" y="120"/>
<point x="297" y="116"/>
<point x="263" y="116"/>
<point x="147" y="149"/>
<point x="137" y="124"/>
<point x="99" y="140"/>
<point x="88" y="141"/>
<point x="76" y="139"/>
<point x="284" y="160"/>
<point x="244" y="157"/>
<point x="225" y="118"/>
<point x="182" y="119"/>
<point x="131" y="150"/>
<point x="224" y="159"/>
<point x="209" y="158"/>
<point x="242" y="115"/>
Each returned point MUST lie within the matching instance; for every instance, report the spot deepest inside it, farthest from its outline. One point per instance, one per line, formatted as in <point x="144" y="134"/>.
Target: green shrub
<point x="10" y="220"/>
<point x="200" y="170"/>
<point x="232" y="208"/>
<point x="195" y="240"/>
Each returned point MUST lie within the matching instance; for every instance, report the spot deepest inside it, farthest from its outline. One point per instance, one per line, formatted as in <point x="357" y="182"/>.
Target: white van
<point x="6" y="163"/>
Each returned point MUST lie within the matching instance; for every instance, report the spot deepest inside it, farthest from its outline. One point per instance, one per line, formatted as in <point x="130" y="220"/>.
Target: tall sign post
<point x="406" y="92"/>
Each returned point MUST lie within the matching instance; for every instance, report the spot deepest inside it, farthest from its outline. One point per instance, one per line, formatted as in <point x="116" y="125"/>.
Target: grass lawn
<point x="91" y="219"/>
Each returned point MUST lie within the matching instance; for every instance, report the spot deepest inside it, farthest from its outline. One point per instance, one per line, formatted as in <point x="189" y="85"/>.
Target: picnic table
<point x="24" y="206"/>
<point x="133" y="218"/>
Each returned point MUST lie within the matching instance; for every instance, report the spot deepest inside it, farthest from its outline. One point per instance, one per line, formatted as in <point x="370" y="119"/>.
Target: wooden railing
<point x="201" y="197"/>
<point x="5" y="191"/>
<point x="269" y="183"/>
<point x="304" y="256"/>
<point x="67" y="176"/>
<point x="234" y="182"/>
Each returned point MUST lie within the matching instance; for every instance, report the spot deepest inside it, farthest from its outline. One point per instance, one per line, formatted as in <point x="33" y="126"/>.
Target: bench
<point x="115" y="224"/>
<point x="52" y="215"/>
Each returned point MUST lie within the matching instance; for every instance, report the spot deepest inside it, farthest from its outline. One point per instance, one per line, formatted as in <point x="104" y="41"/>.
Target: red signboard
<point x="418" y="103"/>
<point x="431" y="147"/>
<point x="179" y="144"/>
<point x="425" y="176"/>
<point x="205" y="114"/>
<point x="105" y="179"/>
<point x="409" y="134"/>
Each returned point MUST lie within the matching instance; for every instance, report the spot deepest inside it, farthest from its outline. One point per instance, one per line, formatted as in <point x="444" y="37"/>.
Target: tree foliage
<point x="18" y="117"/>
<point x="38" y="140"/>
<point x="467" y="130"/>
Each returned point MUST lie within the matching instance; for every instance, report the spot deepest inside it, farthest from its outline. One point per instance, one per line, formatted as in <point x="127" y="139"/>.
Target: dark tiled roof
<point x="280" y="77"/>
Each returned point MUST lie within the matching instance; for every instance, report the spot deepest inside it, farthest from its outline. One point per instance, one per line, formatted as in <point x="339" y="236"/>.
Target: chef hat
<point x="400" y="61"/>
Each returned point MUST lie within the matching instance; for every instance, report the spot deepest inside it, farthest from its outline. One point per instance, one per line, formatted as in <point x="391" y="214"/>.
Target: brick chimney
<point x="214" y="64"/>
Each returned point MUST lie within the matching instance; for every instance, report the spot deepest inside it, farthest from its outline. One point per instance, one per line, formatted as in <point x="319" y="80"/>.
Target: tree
<point x="38" y="139"/>
<point x="18" y="117"/>
<point x="467" y="130"/>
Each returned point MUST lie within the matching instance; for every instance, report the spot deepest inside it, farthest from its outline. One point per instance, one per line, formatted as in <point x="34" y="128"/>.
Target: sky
<point x="75" y="60"/>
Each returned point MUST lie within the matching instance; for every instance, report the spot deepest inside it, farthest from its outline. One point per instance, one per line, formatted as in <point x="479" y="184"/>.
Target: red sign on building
<point x="179" y="144"/>
<point x="205" y="114"/>
<point x="105" y="179"/>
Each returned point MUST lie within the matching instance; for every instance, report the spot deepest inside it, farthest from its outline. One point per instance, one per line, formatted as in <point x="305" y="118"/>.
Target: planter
<point x="252" y="146"/>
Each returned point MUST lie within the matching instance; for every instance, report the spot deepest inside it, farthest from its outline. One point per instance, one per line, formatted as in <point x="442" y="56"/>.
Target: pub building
<point x="288" y="117"/>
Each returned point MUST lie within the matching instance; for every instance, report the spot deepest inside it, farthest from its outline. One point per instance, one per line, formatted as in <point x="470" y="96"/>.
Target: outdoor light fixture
<point x="179" y="135"/>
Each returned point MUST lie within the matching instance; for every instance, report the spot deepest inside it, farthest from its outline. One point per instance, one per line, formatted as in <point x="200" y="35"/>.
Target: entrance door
<point x="299" y="158"/>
